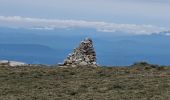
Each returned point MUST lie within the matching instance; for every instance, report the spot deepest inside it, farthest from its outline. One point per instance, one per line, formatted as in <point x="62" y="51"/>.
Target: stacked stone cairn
<point x="84" y="55"/>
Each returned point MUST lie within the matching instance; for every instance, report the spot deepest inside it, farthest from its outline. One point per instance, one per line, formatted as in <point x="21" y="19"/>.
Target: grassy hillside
<point x="138" y="82"/>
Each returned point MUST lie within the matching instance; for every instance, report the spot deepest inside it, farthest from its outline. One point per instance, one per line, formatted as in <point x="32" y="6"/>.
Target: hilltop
<point x="81" y="78"/>
<point x="141" y="81"/>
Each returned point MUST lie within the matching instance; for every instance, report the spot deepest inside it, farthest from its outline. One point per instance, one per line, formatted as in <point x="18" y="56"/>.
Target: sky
<point x="133" y="16"/>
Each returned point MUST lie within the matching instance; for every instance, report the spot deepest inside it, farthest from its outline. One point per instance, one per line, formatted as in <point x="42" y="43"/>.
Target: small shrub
<point x="160" y="68"/>
<point x="141" y="64"/>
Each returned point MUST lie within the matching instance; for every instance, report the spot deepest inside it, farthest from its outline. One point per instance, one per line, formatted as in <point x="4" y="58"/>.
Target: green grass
<point x="139" y="82"/>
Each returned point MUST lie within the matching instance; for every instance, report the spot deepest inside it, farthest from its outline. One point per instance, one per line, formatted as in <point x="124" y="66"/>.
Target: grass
<point x="139" y="82"/>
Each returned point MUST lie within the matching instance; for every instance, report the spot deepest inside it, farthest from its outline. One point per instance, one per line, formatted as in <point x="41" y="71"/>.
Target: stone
<point x="15" y="63"/>
<point x="11" y="63"/>
<point x="83" y="55"/>
<point x="83" y="63"/>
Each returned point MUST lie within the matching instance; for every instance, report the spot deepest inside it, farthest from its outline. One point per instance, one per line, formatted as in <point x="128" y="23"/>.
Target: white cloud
<point x="50" y="24"/>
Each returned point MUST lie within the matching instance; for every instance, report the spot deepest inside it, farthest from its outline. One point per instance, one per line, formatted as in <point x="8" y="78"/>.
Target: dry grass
<point x="139" y="82"/>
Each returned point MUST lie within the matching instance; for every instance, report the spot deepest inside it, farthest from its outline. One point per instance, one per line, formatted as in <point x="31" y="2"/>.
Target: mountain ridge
<point x="111" y="49"/>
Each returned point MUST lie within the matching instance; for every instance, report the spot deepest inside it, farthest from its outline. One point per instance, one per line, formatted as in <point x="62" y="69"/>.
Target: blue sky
<point x="155" y="13"/>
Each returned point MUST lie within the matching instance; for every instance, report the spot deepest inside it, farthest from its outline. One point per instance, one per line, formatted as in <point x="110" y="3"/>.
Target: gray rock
<point x="83" y="55"/>
<point x="83" y="63"/>
<point x="11" y="63"/>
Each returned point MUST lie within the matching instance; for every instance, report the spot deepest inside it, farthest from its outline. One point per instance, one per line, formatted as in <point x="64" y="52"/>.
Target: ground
<point x="138" y="82"/>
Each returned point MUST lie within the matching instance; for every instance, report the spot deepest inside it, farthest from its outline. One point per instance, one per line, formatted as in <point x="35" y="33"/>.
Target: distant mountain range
<point x="52" y="46"/>
<point x="30" y="53"/>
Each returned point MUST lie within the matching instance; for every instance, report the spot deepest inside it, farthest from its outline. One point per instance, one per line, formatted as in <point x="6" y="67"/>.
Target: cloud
<point x="50" y="24"/>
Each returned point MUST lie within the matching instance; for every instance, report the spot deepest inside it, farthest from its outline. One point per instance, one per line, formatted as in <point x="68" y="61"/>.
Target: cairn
<point x="84" y="55"/>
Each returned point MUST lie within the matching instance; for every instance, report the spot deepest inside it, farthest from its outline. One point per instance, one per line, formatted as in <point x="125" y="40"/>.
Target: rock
<point x="4" y="62"/>
<point x="11" y="63"/>
<point x="83" y="63"/>
<point x="15" y="63"/>
<point x="84" y="55"/>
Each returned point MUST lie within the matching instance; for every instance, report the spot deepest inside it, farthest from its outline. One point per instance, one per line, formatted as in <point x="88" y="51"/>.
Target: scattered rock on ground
<point x="11" y="63"/>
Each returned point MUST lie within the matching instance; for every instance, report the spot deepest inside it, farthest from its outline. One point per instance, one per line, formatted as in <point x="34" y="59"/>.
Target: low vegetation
<point x="141" y="81"/>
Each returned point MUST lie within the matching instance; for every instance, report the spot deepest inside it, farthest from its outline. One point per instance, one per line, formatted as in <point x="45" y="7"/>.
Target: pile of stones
<point x="84" y="55"/>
